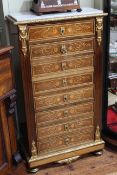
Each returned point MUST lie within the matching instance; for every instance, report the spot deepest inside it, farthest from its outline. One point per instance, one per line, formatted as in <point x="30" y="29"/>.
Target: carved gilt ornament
<point x="99" y="29"/>
<point x="23" y="37"/>
<point x="97" y="134"/>
<point x="34" y="151"/>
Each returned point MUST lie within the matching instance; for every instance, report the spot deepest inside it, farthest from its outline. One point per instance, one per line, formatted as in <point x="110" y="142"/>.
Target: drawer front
<point x="63" y="127"/>
<point x="65" y="141"/>
<point x="44" y="32"/>
<point x="62" y="83"/>
<point x="79" y="110"/>
<point x="5" y="76"/>
<point x="63" y="65"/>
<point x="44" y="102"/>
<point x="64" y="48"/>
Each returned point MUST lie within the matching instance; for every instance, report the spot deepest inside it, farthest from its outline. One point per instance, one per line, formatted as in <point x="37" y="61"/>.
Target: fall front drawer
<point x="63" y="82"/>
<point x="61" y="30"/>
<point x="60" y="49"/>
<point x="45" y="67"/>
<point x="45" y="102"/>
<point x="62" y="127"/>
<point x="78" y="137"/>
<point x="77" y="110"/>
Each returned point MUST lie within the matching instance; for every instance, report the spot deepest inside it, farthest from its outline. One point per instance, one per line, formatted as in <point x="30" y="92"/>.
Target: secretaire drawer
<point x="81" y="136"/>
<point x="44" y="102"/>
<point x="46" y="67"/>
<point x="61" y="49"/>
<point x="61" y="30"/>
<point x="56" y="129"/>
<point x="61" y="83"/>
<point x="77" y="110"/>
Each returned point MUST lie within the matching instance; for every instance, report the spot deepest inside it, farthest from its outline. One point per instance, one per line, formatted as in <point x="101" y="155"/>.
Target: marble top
<point x="31" y="17"/>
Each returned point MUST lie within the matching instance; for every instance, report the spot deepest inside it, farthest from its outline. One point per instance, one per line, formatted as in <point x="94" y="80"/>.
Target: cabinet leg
<point x="98" y="153"/>
<point x="33" y="170"/>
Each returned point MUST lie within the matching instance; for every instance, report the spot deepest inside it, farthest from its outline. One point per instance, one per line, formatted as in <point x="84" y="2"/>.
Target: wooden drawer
<point x="80" y="136"/>
<point x="61" y="30"/>
<point x="78" y="110"/>
<point x="46" y="67"/>
<point x="60" y="128"/>
<point x="44" y="102"/>
<point x="64" y="82"/>
<point x="63" y="48"/>
<point x="6" y="82"/>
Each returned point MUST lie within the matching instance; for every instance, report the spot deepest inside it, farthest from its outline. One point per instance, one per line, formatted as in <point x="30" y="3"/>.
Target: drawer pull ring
<point x="67" y="141"/>
<point x="62" y="30"/>
<point x="65" y="98"/>
<point x="66" y="127"/>
<point x="63" y="49"/>
<point x="64" y="82"/>
<point x="64" y="66"/>
<point x="65" y="113"/>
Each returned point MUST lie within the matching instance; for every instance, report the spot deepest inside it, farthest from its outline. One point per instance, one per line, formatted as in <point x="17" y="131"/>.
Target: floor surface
<point x="87" y="165"/>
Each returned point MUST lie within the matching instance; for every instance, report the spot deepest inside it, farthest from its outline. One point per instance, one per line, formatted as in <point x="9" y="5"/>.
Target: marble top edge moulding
<point x="30" y="17"/>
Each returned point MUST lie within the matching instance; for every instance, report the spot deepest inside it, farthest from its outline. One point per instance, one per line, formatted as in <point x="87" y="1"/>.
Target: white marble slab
<point x="25" y="17"/>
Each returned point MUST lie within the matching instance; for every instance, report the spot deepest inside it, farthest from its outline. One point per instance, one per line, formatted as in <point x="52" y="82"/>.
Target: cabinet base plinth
<point x="66" y="154"/>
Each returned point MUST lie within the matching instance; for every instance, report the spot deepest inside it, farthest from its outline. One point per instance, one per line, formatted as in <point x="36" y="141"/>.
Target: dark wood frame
<point x="108" y="135"/>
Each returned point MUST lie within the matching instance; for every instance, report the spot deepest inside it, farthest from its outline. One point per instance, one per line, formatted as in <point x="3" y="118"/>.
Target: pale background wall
<point x="98" y="4"/>
<point x="24" y="5"/>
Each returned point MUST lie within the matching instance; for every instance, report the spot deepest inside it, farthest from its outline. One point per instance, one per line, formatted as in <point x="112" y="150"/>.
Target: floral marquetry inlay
<point x="78" y="110"/>
<point x="57" y="31"/>
<point x="64" y="141"/>
<point x="68" y="81"/>
<point x="62" y="48"/>
<point x="43" y="68"/>
<point x="63" y="98"/>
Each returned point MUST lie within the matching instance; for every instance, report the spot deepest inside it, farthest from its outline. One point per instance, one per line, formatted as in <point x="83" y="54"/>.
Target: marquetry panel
<point x="5" y="76"/>
<point x="79" y="110"/>
<point x="59" y="128"/>
<point x="63" y="82"/>
<point x="42" y="32"/>
<point x="58" y="66"/>
<point x="80" y="136"/>
<point x="63" y="48"/>
<point x="44" y="102"/>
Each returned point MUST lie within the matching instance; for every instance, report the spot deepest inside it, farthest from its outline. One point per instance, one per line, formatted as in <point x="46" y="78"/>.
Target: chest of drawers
<point x="61" y="64"/>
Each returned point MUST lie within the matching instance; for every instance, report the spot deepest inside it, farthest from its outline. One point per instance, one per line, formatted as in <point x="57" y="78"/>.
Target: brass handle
<point x="66" y="127"/>
<point x="66" y="141"/>
<point x="65" y="98"/>
<point x="65" y="113"/>
<point x="63" y="49"/>
<point x="64" y="82"/>
<point x="62" y="30"/>
<point x="64" y="66"/>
